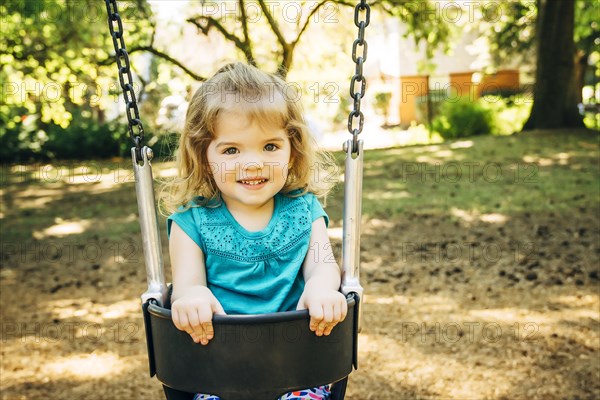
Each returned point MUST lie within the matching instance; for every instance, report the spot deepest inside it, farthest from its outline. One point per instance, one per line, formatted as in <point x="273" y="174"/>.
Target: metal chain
<point x="359" y="56"/>
<point x="125" y="78"/>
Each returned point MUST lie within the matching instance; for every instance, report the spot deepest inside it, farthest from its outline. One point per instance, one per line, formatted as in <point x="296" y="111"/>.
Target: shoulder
<point x="299" y="205"/>
<point x="296" y="199"/>
<point x="195" y="215"/>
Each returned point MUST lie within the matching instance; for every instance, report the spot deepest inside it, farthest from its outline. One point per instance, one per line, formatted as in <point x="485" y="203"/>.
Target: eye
<point x="271" y="147"/>
<point x="231" y="150"/>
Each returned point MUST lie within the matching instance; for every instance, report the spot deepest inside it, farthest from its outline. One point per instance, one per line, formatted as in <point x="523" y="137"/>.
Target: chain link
<point x="359" y="56"/>
<point x="125" y="77"/>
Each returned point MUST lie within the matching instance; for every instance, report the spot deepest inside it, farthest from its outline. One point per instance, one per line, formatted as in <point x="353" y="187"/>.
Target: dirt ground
<point x="455" y="308"/>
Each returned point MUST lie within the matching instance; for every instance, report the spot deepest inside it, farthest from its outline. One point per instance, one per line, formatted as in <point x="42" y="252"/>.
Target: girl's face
<point x="249" y="163"/>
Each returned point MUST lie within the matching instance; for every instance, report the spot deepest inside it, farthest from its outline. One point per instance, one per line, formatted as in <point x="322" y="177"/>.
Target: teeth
<point x="253" y="182"/>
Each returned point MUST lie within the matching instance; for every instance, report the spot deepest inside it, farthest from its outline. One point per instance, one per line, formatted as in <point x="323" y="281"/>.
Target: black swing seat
<point x="251" y="357"/>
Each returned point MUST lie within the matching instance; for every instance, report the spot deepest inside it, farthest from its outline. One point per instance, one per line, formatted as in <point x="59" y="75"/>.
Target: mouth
<point x="253" y="182"/>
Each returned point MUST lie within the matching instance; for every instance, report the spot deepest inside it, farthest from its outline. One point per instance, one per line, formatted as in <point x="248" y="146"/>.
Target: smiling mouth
<point x="253" y="181"/>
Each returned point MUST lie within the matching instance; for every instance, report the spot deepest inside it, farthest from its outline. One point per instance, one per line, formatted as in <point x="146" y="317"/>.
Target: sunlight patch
<point x="63" y="228"/>
<point x="95" y="365"/>
<point x="120" y="309"/>
<point x="386" y="195"/>
<point x="493" y="218"/>
<point x="512" y="315"/>
<point x="563" y="158"/>
<point x="167" y="173"/>
<point x="464" y="144"/>
<point x="444" y="153"/>
<point x="410" y="363"/>
<point x="462" y="214"/>
<point x="579" y="300"/>
<point x="543" y="162"/>
<point x="395" y="299"/>
<point x="380" y="223"/>
<point x="84" y="309"/>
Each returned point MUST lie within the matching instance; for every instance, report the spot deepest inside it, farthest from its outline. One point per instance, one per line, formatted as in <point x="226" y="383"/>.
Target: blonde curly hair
<point x="267" y="100"/>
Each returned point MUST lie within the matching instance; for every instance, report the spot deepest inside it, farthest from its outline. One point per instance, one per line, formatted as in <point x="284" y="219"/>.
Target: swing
<point x="251" y="356"/>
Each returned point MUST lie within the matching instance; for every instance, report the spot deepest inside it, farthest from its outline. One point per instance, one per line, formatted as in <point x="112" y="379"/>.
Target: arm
<point x="193" y="304"/>
<point x="322" y="276"/>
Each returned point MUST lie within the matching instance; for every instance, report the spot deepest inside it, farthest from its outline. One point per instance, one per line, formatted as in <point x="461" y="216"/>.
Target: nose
<point x="252" y="162"/>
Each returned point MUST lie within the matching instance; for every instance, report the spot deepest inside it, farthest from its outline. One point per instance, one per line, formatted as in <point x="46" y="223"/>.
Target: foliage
<point x="428" y="105"/>
<point x="82" y="139"/>
<point x="491" y="114"/>
<point x="286" y="31"/>
<point x="587" y="28"/>
<point x="344" y="107"/>
<point x="422" y="22"/>
<point x="511" y="34"/>
<point x="514" y="32"/>
<point x="509" y="112"/>
<point x="463" y="118"/>
<point x="381" y="103"/>
<point x="59" y="78"/>
<point x="50" y="52"/>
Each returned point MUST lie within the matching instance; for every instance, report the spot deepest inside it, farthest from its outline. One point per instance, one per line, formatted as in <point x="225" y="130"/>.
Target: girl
<point x="248" y="234"/>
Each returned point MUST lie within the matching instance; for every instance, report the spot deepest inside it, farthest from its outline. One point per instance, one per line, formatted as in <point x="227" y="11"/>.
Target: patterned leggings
<point x="320" y="393"/>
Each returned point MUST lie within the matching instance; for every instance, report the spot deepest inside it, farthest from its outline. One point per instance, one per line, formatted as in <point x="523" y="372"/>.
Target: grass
<point x="71" y="250"/>
<point x="535" y="172"/>
<point x="530" y="172"/>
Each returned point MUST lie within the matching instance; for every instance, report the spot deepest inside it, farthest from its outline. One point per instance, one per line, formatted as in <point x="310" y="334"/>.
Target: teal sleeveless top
<point x="254" y="272"/>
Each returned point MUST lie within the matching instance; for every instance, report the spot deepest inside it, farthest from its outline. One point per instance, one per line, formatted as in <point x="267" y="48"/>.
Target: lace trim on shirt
<point x="293" y="225"/>
<point x="266" y="256"/>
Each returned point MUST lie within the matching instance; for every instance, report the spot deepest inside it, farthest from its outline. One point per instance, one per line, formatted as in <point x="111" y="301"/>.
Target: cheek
<point x="213" y="167"/>
<point x="287" y="167"/>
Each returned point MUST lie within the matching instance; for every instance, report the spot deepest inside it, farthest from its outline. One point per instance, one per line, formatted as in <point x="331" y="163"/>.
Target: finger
<point x="208" y="329"/>
<point x="337" y="312"/>
<point x="321" y="328"/>
<point x="195" y="337"/>
<point x="176" y="319"/>
<point x="199" y="328"/>
<point x="327" y="319"/>
<point x="316" y="315"/>
<point x="205" y="315"/>
<point x="329" y="328"/>
<point x="328" y="314"/>
<point x="314" y="323"/>
<point x="185" y="323"/>
<point x="193" y="319"/>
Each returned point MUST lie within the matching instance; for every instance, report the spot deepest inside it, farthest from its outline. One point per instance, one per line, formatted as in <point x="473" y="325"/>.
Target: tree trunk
<point x="555" y="95"/>
<point x="288" y="57"/>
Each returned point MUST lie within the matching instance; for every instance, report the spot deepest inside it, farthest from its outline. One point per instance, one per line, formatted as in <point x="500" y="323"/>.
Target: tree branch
<point x="273" y="23"/>
<point x="211" y="22"/>
<point x="247" y="42"/>
<point x="306" y="23"/>
<point x="244" y="21"/>
<point x="167" y="57"/>
<point x="160" y="54"/>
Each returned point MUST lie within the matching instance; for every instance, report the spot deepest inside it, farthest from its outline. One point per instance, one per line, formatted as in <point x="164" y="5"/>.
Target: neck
<point x="254" y="218"/>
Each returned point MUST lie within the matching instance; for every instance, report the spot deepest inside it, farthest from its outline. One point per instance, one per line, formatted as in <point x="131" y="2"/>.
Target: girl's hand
<point x="326" y="307"/>
<point x="193" y="310"/>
